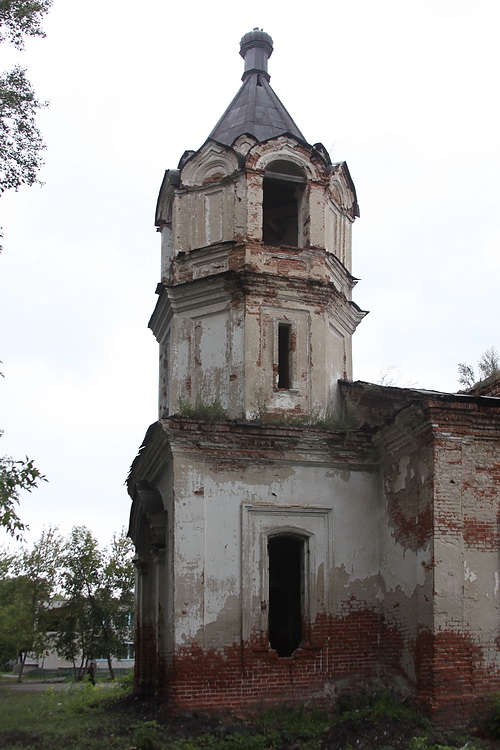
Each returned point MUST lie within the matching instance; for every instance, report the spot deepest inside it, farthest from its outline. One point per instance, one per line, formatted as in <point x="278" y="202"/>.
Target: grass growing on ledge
<point x="344" y="419"/>
<point x="210" y="411"/>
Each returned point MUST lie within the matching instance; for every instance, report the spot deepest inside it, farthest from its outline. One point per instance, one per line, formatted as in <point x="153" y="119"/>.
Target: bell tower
<point x="234" y="517"/>
<point x="254" y="308"/>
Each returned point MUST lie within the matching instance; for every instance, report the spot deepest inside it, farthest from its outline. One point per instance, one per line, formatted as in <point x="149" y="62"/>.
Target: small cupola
<point x="256" y="48"/>
<point x="255" y="110"/>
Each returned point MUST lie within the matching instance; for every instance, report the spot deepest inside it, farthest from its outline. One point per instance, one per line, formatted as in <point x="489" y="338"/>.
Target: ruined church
<point x="299" y="535"/>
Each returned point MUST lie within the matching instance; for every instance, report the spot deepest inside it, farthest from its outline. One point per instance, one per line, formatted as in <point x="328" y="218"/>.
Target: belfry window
<point x="283" y="192"/>
<point x="286" y="595"/>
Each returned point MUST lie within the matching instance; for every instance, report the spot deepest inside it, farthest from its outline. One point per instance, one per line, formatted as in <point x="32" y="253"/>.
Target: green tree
<point x="69" y="595"/>
<point x="97" y="587"/>
<point x="28" y="583"/>
<point x="77" y="630"/>
<point x="15" y="476"/>
<point x="20" y="160"/>
<point x="114" y="600"/>
<point x="8" y="645"/>
<point x="21" y="144"/>
<point x="488" y="366"/>
<point x="21" y="18"/>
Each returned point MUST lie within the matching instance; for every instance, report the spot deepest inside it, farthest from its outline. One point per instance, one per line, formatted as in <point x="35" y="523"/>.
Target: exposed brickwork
<point x="337" y="649"/>
<point x="488" y="387"/>
<point x="406" y="458"/>
<point x="483" y="535"/>
<point x="454" y="682"/>
<point x="146" y="658"/>
<point x="231" y="443"/>
<point x="455" y="663"/>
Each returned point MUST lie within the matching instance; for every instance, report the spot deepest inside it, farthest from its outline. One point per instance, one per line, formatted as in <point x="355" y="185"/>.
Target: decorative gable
<point x="210" y="164"/>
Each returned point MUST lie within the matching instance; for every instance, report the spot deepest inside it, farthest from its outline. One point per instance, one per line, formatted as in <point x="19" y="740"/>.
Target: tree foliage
<point x="76" y="630"/>
<point x="68" y="595"/>
<point x="466" y="376"/>
<point x="21" y="18"/>
<point x="21" y="144"/>
<point x="97" y="588"/>
<point x="28" y="582"/>
<point x="487" y="366"/>
<point x="15" y="476"/>
<point x="20" y="160"/>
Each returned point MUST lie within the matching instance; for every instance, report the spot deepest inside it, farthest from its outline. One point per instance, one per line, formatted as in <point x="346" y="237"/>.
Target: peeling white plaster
<point x="469" y="574"/>
<point x="400" y="481"/>
<point x="404" y="569"/>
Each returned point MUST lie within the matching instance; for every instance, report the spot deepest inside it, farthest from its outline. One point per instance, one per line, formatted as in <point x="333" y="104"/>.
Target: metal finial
<point x="256" y="48"/>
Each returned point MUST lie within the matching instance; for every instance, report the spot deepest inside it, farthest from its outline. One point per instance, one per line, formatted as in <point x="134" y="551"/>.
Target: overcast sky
<point x="406" y="91"/>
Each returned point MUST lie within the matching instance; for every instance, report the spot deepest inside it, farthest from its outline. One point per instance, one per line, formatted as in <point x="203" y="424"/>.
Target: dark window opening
<point x="285" y="593"/>
<point x="280" y="213"/>
<point x="284" y="349"/>
<point x="286" y="170"/>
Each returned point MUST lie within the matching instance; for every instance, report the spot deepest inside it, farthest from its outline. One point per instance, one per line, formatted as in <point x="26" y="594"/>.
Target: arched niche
<point x="342" y="190"/>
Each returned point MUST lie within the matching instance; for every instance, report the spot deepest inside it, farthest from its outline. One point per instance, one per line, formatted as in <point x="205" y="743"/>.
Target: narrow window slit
<point x="284" y="352"/>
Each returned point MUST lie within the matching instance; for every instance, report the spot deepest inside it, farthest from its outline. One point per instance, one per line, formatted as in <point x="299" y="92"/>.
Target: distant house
<point x="50" y="661"/>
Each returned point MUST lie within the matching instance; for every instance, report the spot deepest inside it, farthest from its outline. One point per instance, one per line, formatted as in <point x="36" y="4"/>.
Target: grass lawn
<point x="79" y="716"/>
<point x="75" y="717"/>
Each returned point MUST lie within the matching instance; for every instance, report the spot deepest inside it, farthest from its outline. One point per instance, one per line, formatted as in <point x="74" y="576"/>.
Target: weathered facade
<point x="298" y="534"/>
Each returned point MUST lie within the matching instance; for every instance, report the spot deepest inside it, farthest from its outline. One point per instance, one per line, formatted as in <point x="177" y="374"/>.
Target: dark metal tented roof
<point x="255" y="109"/>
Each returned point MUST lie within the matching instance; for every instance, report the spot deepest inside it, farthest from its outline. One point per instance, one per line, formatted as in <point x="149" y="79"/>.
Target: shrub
<point x="493" y="725"/>
<point x="126" y="681"/>
<point x="146" y="735"/>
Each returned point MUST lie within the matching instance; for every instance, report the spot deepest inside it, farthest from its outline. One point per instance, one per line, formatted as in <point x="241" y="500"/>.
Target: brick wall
<point x="461" y="654"/>
<point x="353" y="648"/>
<point x="427" y="620"/>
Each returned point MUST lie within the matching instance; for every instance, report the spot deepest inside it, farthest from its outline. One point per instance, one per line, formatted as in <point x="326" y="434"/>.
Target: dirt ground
<point x="362" y="733"/>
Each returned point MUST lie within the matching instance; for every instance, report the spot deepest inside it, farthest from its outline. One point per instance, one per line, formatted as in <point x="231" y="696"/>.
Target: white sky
<point x="406" y="91"/>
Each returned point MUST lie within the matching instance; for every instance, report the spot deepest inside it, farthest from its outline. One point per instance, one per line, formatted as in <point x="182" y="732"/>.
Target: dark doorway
<point x="286" y="555"/>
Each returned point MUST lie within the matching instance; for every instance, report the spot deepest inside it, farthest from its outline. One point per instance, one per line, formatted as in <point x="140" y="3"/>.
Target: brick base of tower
<point x="356" y="653"/>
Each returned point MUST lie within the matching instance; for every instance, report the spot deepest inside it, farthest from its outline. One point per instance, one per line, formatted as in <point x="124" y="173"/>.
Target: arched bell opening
<point x="283" y="194"/>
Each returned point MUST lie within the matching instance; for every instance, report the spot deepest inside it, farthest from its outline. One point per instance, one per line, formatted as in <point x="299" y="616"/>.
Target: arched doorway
<point x="286" y="592"/>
